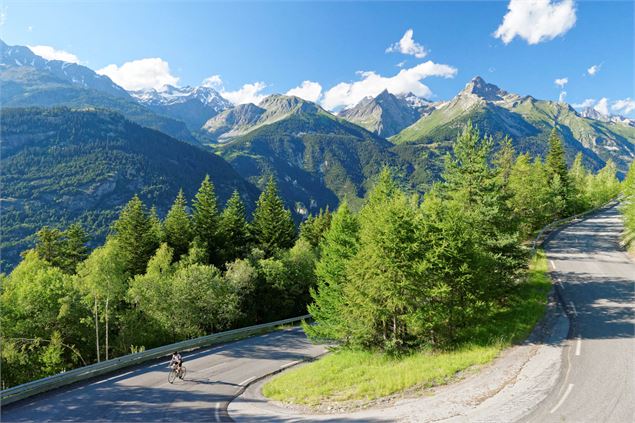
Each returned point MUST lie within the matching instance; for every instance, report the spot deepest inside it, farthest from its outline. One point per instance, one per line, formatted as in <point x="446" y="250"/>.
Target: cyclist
<point x="177" y="361"/>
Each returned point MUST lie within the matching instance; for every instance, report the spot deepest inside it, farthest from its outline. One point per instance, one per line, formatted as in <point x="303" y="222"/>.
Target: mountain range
<point x="88" y="145"/>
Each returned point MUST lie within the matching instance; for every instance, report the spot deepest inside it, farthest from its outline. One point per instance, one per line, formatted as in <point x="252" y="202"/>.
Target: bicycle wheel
<point x="172" y="376"/>
<point x="182" y="374"/>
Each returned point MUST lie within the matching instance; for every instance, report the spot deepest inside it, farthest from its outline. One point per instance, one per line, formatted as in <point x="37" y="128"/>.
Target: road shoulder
<point x="507" y="389"/>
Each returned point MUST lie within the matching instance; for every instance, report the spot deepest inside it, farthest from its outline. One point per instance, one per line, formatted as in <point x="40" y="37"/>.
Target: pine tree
<point x="235" y="229"/>
<point x="314" y="227"/>
<point x="74" y="248"/>
<point x="206" y="221"/>
<point x="272" y="226"/>
<point x="340" y="244"/>
<point x="556" y="165"/>
<point x="50" y="245"/>
<point x="157" y="225"/>
<point x="178" y="229"/>
<point x="578" y="176"/>
<point x="135" y="235"/>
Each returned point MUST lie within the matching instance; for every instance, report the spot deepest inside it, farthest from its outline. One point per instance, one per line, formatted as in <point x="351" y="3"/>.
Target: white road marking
<point x="114" y="377"/>
<point x="244" y="382"/>
<point x="578" y="345"/>
<point x="217" y="413"/>
<point x="289" y="364"/>
<point x="552" y="264"/>
<point x="564" y="397"/>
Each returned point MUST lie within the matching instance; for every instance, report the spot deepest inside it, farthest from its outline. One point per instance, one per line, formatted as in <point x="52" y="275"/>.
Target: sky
<point x="336" y="53"/>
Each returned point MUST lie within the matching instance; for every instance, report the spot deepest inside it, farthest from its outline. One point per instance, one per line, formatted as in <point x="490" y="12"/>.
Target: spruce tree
<point x="49" y="245"/>
<point x="272" y="226"/>
<point x="556" y="165"/>
<point x="74" y="248"/>
<point x="178" y="229"/>
<point x="235" y="229"/>
<point x="157" y="225"/>
<point x="314" y="227"/>
<point x="340" y="244"/>
<point x="206" y="221"/>
<point x="135" y="235"/>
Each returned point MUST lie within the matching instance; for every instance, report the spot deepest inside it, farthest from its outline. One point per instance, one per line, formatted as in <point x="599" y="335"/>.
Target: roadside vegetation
<point x="403" y="276"/>
<point x="356" y="374"/>
<point x="443" y="280"/>
<point x="628" y="208"/>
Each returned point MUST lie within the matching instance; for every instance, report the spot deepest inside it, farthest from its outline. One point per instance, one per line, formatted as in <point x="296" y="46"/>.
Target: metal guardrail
<point x="546" y="230"/>
<point x="35" y="387"/>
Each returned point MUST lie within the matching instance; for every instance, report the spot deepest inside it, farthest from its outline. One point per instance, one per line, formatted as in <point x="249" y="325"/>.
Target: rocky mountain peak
<point x="478" y="87"/>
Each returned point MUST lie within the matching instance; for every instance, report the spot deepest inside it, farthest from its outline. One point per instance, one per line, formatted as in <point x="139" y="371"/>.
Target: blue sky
<point x="256" y="48"/>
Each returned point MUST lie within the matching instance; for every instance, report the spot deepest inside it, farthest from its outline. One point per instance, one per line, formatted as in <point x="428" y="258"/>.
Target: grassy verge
<point x="360" y="375"/>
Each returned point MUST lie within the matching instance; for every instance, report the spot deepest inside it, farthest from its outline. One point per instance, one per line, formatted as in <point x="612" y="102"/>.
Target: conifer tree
<point x="272" y="226"/>
<point x="49" y="245"/>
<point x="578" y="176"/>
<point x="235" y="229"/>
<point x="135" y="235"/>
<point x="314" y="227"/>
<point x="74" y="248"/>
<point x="206" y="221"/>
<point x="340" y="244"/>
<point x="178" y="229"/>
<point x="157" y="225"/>
<point x="556" y="166"/>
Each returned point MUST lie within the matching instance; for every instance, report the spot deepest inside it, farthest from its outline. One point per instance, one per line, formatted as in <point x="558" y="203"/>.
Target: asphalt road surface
<point x="597" y="282"/>
<point x="143" y="394"/>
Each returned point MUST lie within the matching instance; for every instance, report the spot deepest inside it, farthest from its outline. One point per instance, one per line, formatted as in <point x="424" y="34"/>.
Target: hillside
<point x="319" y="159"/>
<point x="387" y="114"/>
<point x="527" y="121"/>
<point x="28" y="80"/>
<point x="192" y="105"/>
<point x="59" y="165"/>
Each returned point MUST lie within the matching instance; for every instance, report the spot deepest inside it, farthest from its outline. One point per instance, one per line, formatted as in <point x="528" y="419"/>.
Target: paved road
<point x="597" y="281"/>
<point x="142" y="394"/>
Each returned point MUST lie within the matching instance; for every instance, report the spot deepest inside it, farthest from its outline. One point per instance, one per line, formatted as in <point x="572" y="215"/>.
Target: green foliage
<point x="340" y="244"/>
<point x="556" y="167"/>
<point x="136" y="235"/>
<point x="178" y="226"/>
<point x="315" y="226"/>
<point x="235" y="229"/>
<point x="272" y="225"/>
<point x="206" y="221"/>
<point x="628" y="205"/>
<point x="39" y="310"/>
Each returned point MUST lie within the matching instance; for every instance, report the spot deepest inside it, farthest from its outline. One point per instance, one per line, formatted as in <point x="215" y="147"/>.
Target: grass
<point x="347" y="375"/>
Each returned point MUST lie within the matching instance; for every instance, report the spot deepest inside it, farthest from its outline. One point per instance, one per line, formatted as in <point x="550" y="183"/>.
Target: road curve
<point x="597" y="282"/>
<point x="142" y="394"/>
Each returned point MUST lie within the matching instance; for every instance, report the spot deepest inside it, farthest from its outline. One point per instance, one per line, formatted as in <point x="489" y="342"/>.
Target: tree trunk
<point x="97" y="330"/>
<point x="106" y="328"/>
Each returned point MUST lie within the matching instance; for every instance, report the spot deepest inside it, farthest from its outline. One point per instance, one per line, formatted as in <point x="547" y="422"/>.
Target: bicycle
<point x="174" y="373"/>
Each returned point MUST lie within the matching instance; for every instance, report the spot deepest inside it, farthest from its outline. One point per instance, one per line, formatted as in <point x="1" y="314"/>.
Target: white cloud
<point x="248" y="93"/>
<point x="561" y="82"/>
<point x="50" y="53"/>
<point x="536" y="21"/>
<point x="213" y="81"/>
<point x="586" y="103"/>
<point x="624" y="106"/>
<point x="308" y="90"/>
<point x="563" y="94"/>
<point x="593" y="70"/>
<point x="29" y="28"/>
<point x="141" y="74"/>
<point x="401" y="64"/>
<point x="408" y="46"/>
<point x="347" y="94"/>
<point x="602" y="106"/>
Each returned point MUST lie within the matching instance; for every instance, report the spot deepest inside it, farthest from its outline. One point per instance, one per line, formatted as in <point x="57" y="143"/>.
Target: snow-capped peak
<point x="170" y="95"/>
